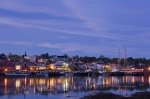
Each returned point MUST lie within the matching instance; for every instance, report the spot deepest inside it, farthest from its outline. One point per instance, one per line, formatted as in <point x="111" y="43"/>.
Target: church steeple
<point x="25" y="54"/>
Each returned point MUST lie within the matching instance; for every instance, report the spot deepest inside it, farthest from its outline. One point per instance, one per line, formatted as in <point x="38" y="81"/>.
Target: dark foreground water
<point x="71" y="87"/>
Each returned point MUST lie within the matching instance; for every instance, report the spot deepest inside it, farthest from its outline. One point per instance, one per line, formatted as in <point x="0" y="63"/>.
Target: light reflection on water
<point x="71" y="87"/>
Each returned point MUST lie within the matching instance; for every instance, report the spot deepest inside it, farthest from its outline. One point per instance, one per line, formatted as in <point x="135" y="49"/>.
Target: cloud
<point x="27" y="7"/>
<point x="87" y="27"/>
<point x="69" y="47"/>
<point x="16" y="43"/>
<point x="75" y="26"/>
<point x="79" y="30"/>
<point x="62" y="47"/>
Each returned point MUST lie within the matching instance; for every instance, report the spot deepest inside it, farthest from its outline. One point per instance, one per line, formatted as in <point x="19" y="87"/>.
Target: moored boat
<point x="85" y="73"/>
<point x="41" y="74"/>
<point x="56" y="73"/>
<point x="17" y="74"/>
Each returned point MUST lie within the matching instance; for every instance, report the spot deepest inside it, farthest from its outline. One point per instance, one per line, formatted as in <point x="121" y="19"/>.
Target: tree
<point x="3" y="57"/>
<point x="45" y="56"/>
<point x="14" y="58"/>
<point x="88" y="59"/>
<point x="104" y="59"/>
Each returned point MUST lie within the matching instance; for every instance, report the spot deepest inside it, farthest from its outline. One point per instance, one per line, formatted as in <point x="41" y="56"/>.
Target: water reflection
<point x="120" y="85"/>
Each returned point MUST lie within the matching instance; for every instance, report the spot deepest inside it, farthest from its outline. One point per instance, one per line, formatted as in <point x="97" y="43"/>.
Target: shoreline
<point x="102" y="95"/>
<point x="91" y="74"/>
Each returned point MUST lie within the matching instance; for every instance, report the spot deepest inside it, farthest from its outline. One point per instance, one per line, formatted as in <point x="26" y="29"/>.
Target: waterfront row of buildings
<point x="62" y="63"/>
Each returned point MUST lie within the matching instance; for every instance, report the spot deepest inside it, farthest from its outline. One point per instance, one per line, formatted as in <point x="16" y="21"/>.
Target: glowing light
<point x="31" y="82"/>
<point x="132" y="68"/>
<point x="42" y="68"/>
<point x="18" y="67"/>
<point x="25" y="81"/>
<point x="42" y="81"/>
<point x="5" y="82"/>
<point x="149" y="80"/>
<point x="18" y="83"/>
<point x="65" y="85"/>
<point x="6" y="70"/>
<point x="142" y="79"/>
<point x="65" y="64"/>
<point x="133" y="79"/>
<point x="51" y="82"/>
<point x="51" y="66"/>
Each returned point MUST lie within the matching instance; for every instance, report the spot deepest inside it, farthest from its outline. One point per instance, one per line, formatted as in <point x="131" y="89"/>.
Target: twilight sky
<point x="75" y="27"/>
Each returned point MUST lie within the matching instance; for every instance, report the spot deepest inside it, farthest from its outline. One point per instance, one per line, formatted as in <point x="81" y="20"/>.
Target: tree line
<point x="86" y="59"/>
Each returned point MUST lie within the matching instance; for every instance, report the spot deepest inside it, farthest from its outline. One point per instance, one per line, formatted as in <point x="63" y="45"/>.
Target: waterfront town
<point x="54" y="65"/>
<point x="74" y="49"/>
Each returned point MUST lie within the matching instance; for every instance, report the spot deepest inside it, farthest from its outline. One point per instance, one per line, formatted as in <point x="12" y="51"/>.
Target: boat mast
<point x="119" y="57"/>
<point x="119" y="60"/>
<point x="125" y="56"/>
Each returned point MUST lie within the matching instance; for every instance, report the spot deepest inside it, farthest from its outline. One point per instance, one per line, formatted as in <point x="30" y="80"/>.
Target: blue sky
<point x="75" y="27"/>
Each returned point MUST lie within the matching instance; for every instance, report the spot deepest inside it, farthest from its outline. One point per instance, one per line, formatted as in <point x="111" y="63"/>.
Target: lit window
<point x="18" y="67"/>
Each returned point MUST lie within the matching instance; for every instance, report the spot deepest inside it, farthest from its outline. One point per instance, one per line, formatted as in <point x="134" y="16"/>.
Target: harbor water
<point x="71" y="87"/>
